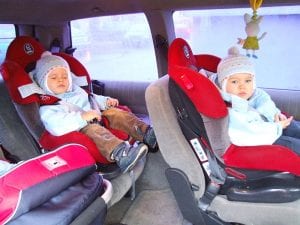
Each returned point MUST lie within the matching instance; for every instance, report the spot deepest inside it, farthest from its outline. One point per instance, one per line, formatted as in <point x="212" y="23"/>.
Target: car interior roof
<point x="54" y="11"/>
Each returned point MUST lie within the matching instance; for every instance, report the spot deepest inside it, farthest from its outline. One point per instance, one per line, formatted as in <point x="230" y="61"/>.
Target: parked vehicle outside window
<point x="214" y="31"/>
<point x="114" y="48"/>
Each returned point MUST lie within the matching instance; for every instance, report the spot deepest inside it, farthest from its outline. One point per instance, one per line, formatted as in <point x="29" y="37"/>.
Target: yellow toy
<point x="252" y="29"/>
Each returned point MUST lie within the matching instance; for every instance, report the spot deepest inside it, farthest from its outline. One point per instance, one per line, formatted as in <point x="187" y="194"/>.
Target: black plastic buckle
<point x="210" y="193"/>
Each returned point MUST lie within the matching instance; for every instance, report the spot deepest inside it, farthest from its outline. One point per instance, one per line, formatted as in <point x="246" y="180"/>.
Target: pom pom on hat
<point x="233" y="51"/>
<point x="45" y="64"/>
<point x="232" y="64"/>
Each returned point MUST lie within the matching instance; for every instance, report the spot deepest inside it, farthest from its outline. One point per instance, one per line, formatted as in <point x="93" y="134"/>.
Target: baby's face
<point x="58" y="80"/>
<point x="240" y="84"/>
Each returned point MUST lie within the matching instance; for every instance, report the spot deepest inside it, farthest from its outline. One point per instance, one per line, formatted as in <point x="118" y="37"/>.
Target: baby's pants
<point x="291" y="137"/>
<point x="118" y="119"/>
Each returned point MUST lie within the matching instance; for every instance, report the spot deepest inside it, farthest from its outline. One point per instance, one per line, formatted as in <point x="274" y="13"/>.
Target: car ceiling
<point x="58" y="11"/>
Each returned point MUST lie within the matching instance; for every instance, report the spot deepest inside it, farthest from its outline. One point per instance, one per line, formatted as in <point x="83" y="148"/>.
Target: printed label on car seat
<point x="54" y="162"/>
<point x="199" y="150"/>
<point x="207" y="168"/>
<point x="28" y="48"/>
<point x="201" y="155"/>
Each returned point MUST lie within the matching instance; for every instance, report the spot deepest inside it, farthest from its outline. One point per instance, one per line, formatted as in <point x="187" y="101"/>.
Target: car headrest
<point x="180" y="53"/>
<point x="24" y="50"/>
<point x="183" y="67"/>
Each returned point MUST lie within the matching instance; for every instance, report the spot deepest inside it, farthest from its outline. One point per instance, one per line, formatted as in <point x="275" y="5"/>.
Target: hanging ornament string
<point x="255" y="4"/>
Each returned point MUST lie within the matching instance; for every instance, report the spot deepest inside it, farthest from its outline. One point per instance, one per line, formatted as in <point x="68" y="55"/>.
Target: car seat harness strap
<point x="207" y="160"/>
<point x="205" y="155"/>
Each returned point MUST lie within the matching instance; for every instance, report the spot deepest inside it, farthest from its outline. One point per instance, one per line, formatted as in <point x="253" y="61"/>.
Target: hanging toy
<point x="252" y="29"/>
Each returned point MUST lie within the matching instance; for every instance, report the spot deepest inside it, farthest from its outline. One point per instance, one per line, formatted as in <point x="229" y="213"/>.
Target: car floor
<point x="154" y="203"/>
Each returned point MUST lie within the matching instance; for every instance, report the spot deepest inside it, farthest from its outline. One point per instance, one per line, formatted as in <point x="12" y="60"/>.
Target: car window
<point x="7" y="34"/>
<point x="115" y="47"/>
<point x="214" y="31"/>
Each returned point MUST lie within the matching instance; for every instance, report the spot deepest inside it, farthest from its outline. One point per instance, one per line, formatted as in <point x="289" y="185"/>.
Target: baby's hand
<point x="280" y="116"/>
<point x="90" y="115"/>
<point x="112" y="102"/>
<point x="283" y="120"/>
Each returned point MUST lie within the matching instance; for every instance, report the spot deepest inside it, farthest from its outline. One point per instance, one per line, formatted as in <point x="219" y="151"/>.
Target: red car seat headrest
<point x="183" y="67"/>
<point x="180" y="53"/>
<point x="24" y="50"/>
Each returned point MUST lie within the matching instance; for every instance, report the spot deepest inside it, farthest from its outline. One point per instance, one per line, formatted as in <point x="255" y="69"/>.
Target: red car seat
<point x="209" y="104"/>
<point x="212" y="179"/>
<point x="21" y="56"/>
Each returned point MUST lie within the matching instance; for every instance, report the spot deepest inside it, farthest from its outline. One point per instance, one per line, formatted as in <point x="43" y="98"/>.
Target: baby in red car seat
<point x="74" y="112"/>
<point x="254" y="118"/>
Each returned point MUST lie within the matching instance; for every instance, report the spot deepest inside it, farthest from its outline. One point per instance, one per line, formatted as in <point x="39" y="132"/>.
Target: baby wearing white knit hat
<point x="45" y="65"/>
<point x="232" y="64"/>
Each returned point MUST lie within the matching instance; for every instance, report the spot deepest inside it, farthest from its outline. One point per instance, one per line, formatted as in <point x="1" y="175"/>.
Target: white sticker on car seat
<point x="198" y="149"/>
<point x="207" y="168"/>
<point x="54" y="162"/>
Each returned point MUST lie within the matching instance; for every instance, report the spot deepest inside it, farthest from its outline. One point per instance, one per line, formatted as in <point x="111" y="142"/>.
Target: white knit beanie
<point x="45" y="64"/>
<point x="232" y="64"/>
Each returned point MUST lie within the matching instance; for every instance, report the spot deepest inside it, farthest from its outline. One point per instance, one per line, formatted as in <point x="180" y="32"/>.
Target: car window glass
<point x="214" y="31"/>
<point x="7" y="34"/>
<point x="115" y="47"/>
